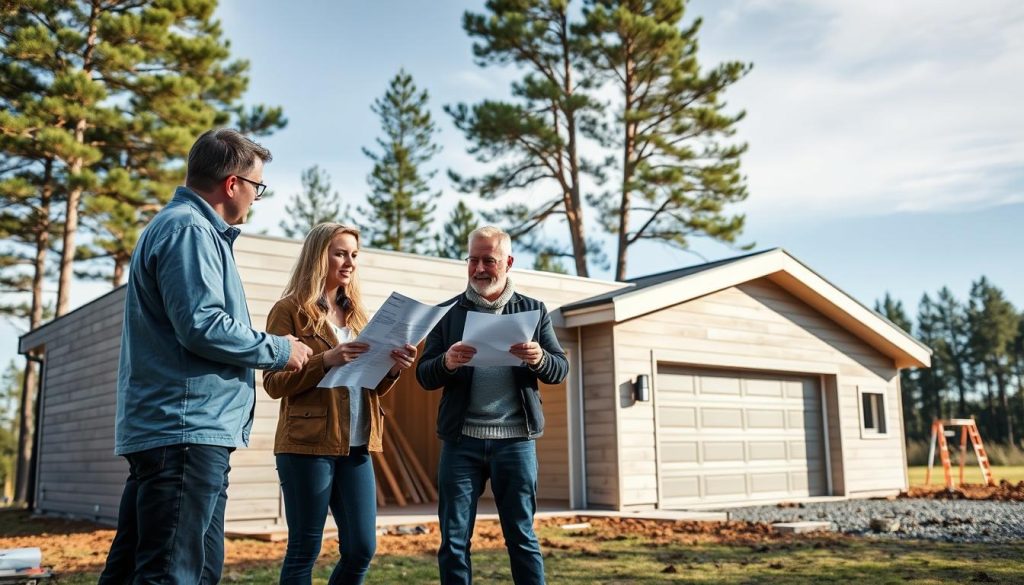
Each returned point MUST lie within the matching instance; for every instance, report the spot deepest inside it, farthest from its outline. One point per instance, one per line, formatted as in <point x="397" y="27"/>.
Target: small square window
<point x="872" y="408"/>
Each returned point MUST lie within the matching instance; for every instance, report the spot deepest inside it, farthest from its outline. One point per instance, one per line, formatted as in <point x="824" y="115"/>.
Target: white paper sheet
<point x="399" y="320"/>
<point x="17" y="559"/>
<point x="492" y="335"/>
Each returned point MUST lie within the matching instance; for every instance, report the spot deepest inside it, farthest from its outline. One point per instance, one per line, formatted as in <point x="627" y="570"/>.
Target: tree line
<point x="977" y="361"/>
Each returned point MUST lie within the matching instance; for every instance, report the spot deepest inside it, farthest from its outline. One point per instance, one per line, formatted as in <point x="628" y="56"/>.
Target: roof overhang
<point x="782" y="269"/>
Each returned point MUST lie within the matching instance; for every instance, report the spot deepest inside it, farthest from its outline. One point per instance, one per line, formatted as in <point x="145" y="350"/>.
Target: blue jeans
<point x="170" y="524"/>
<point x="465" y="466"/>
<point x="311" y="484"/>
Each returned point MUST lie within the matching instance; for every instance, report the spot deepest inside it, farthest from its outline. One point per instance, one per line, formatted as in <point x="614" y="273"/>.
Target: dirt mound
<point x="1004" y="491"/>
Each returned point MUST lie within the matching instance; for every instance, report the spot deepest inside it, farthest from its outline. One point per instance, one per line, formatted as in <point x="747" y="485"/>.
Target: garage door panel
<point x="767" y="451"/>
<point x="679" y="452"/>
<point x="719" y="385"/>
<point x="765" y="388"/>
<point x="723" y="451"/>
<point x="764" y="483"/>
<point x="738" y="436"/>
<point x="766" y="419"/>
<point x="677" y="383"/>
<point x="725" y="485"/>
<point x="723" y="418"/>
<point x="683" y="487"/>
<point x="806" y="389"/>
<point x="676" y="416"/>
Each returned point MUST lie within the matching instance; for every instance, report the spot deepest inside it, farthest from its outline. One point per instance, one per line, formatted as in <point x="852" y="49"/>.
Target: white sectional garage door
<point x="730" y="437"/>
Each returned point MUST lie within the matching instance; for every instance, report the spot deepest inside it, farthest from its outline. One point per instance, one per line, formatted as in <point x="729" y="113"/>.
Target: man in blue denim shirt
<point x="185" y="388"/>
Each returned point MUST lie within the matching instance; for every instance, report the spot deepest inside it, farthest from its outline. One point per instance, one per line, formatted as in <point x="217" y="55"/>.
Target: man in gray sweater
<point x="489" y="416"/>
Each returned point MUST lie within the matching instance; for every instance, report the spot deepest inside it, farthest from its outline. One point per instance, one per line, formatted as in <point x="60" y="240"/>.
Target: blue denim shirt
<point x="188" y="348"/>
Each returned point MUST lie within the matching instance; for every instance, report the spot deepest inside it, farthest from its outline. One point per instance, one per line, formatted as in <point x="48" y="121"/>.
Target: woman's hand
<point x="344" y="353"/>
<point x="404" y="357"/>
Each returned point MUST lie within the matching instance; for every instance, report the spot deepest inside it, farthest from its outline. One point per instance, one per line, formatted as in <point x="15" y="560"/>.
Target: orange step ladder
<point x="968" y="430"/>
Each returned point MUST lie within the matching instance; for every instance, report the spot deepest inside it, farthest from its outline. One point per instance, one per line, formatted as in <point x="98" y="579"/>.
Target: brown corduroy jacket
<point x="315" y="421"/>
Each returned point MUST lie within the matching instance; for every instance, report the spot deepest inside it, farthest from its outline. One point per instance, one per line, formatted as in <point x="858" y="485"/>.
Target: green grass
<point x="972" y="474"/>
<point x="583" y="559"/>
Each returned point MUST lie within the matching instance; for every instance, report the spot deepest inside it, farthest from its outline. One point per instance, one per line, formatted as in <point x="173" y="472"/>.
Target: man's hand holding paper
<point x="494" y="337"/>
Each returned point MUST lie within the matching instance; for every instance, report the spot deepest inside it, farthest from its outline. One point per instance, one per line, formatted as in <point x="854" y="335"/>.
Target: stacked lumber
<point x="401" y="478"/>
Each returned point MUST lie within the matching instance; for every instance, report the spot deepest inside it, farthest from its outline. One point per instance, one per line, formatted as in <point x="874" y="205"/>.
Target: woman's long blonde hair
<point x="309" y="277"/>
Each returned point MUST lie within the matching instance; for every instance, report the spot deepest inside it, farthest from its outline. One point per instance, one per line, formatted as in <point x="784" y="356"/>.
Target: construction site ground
<point x="605" y="550"/>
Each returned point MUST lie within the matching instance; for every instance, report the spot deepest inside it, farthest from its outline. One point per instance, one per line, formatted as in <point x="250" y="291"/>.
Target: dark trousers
<point x="511" y="466"/>
<point x="345" y="484"/>
<point x="170" y="525"/>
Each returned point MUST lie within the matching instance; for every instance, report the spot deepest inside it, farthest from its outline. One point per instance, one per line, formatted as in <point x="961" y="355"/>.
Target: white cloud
<point x="876" y="107"/>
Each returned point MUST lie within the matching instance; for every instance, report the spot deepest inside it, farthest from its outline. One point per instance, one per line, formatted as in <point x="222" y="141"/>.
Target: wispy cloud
<point x="871" y="107"/>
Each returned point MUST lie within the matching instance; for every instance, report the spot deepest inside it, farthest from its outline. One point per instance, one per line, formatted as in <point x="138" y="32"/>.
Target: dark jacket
<point x="431" y="373"/>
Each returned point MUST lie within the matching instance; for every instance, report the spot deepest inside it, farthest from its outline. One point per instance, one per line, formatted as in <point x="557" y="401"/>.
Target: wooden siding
<point x="553" y="447"/>
<point x="600" y="420"/>
<point x="78" y="472"/>
<point x="753" y="326"/>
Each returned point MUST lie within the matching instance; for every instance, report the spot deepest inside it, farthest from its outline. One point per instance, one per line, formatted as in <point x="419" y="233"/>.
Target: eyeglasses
<point x="260" y="187"/>
<point x="486" y="261"/>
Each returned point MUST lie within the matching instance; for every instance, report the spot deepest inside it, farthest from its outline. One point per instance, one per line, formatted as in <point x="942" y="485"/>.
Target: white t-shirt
<point x="359" y="419"/>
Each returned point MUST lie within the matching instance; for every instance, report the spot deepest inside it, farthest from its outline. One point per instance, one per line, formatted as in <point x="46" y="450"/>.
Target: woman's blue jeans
<point x="345" y="484"/>
<point x="511" y="466"/>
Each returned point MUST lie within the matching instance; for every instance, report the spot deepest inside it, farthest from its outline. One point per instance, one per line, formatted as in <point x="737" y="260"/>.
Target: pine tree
<point x="954" y="354"/>
<point x="90" y="89"/>
<point x="993" y="325"/>
<point x="547" y="262"/>
<point x="678" y="172"/>
<point x="135" y="181"/>
<point x="125" y="85"/>
<point x="932" y="381"/>
<point x="453" y="240"/>
<point x="534" y="139"/>
<point x="400" y="200"/>
<point x="315" y="204"/>
<point x="1017" y="360"/>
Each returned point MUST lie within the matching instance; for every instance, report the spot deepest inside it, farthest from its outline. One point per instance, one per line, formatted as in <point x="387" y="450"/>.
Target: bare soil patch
<point x="73" y="546"/>
<point x="1004" y="491"/>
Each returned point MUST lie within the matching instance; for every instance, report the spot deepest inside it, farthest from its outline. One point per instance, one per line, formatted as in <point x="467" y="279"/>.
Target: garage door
<point x="731" y="437"/>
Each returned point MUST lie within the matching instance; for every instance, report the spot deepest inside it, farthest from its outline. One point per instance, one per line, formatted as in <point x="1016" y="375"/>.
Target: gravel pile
<point x="945" y="520"/>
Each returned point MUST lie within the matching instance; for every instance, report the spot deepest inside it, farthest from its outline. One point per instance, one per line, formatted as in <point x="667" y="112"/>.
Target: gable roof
<point x="654" y="292"/>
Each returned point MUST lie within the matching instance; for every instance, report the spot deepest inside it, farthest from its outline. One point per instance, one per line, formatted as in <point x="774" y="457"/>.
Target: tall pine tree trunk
<point x="67" y="258"/>
<point x="118" y="276"/>
<point x="574" y="206"/>
<point x="1004" y="406"/>
<point x="75" y="196"/>
<point x="30" y="381"/>
<point x="628" y="168"/>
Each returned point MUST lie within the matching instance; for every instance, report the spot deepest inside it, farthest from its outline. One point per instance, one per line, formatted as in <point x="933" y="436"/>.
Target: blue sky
<point x="886" y="145"/>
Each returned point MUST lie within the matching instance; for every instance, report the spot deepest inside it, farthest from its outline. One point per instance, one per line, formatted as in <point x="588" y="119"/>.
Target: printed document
<point x="492" y="335"/>
<point x="399" y="320"/>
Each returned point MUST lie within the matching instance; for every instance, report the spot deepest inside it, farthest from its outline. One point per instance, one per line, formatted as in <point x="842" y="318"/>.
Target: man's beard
<point x="486" y="287"/>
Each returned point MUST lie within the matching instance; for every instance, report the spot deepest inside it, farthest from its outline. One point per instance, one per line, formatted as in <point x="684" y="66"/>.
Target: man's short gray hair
<point x="490" y="232"/>
<point x="219" y="153"/>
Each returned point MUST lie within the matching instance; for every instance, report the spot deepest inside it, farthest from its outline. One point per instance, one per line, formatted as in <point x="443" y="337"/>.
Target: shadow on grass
<point x="16" y="521"/>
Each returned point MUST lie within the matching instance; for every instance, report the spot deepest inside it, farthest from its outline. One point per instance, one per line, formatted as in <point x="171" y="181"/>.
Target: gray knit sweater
<point x="495" y="407"/>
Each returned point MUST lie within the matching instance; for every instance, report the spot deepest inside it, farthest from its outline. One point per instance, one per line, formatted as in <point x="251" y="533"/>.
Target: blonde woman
<point x="324" y="435"/>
